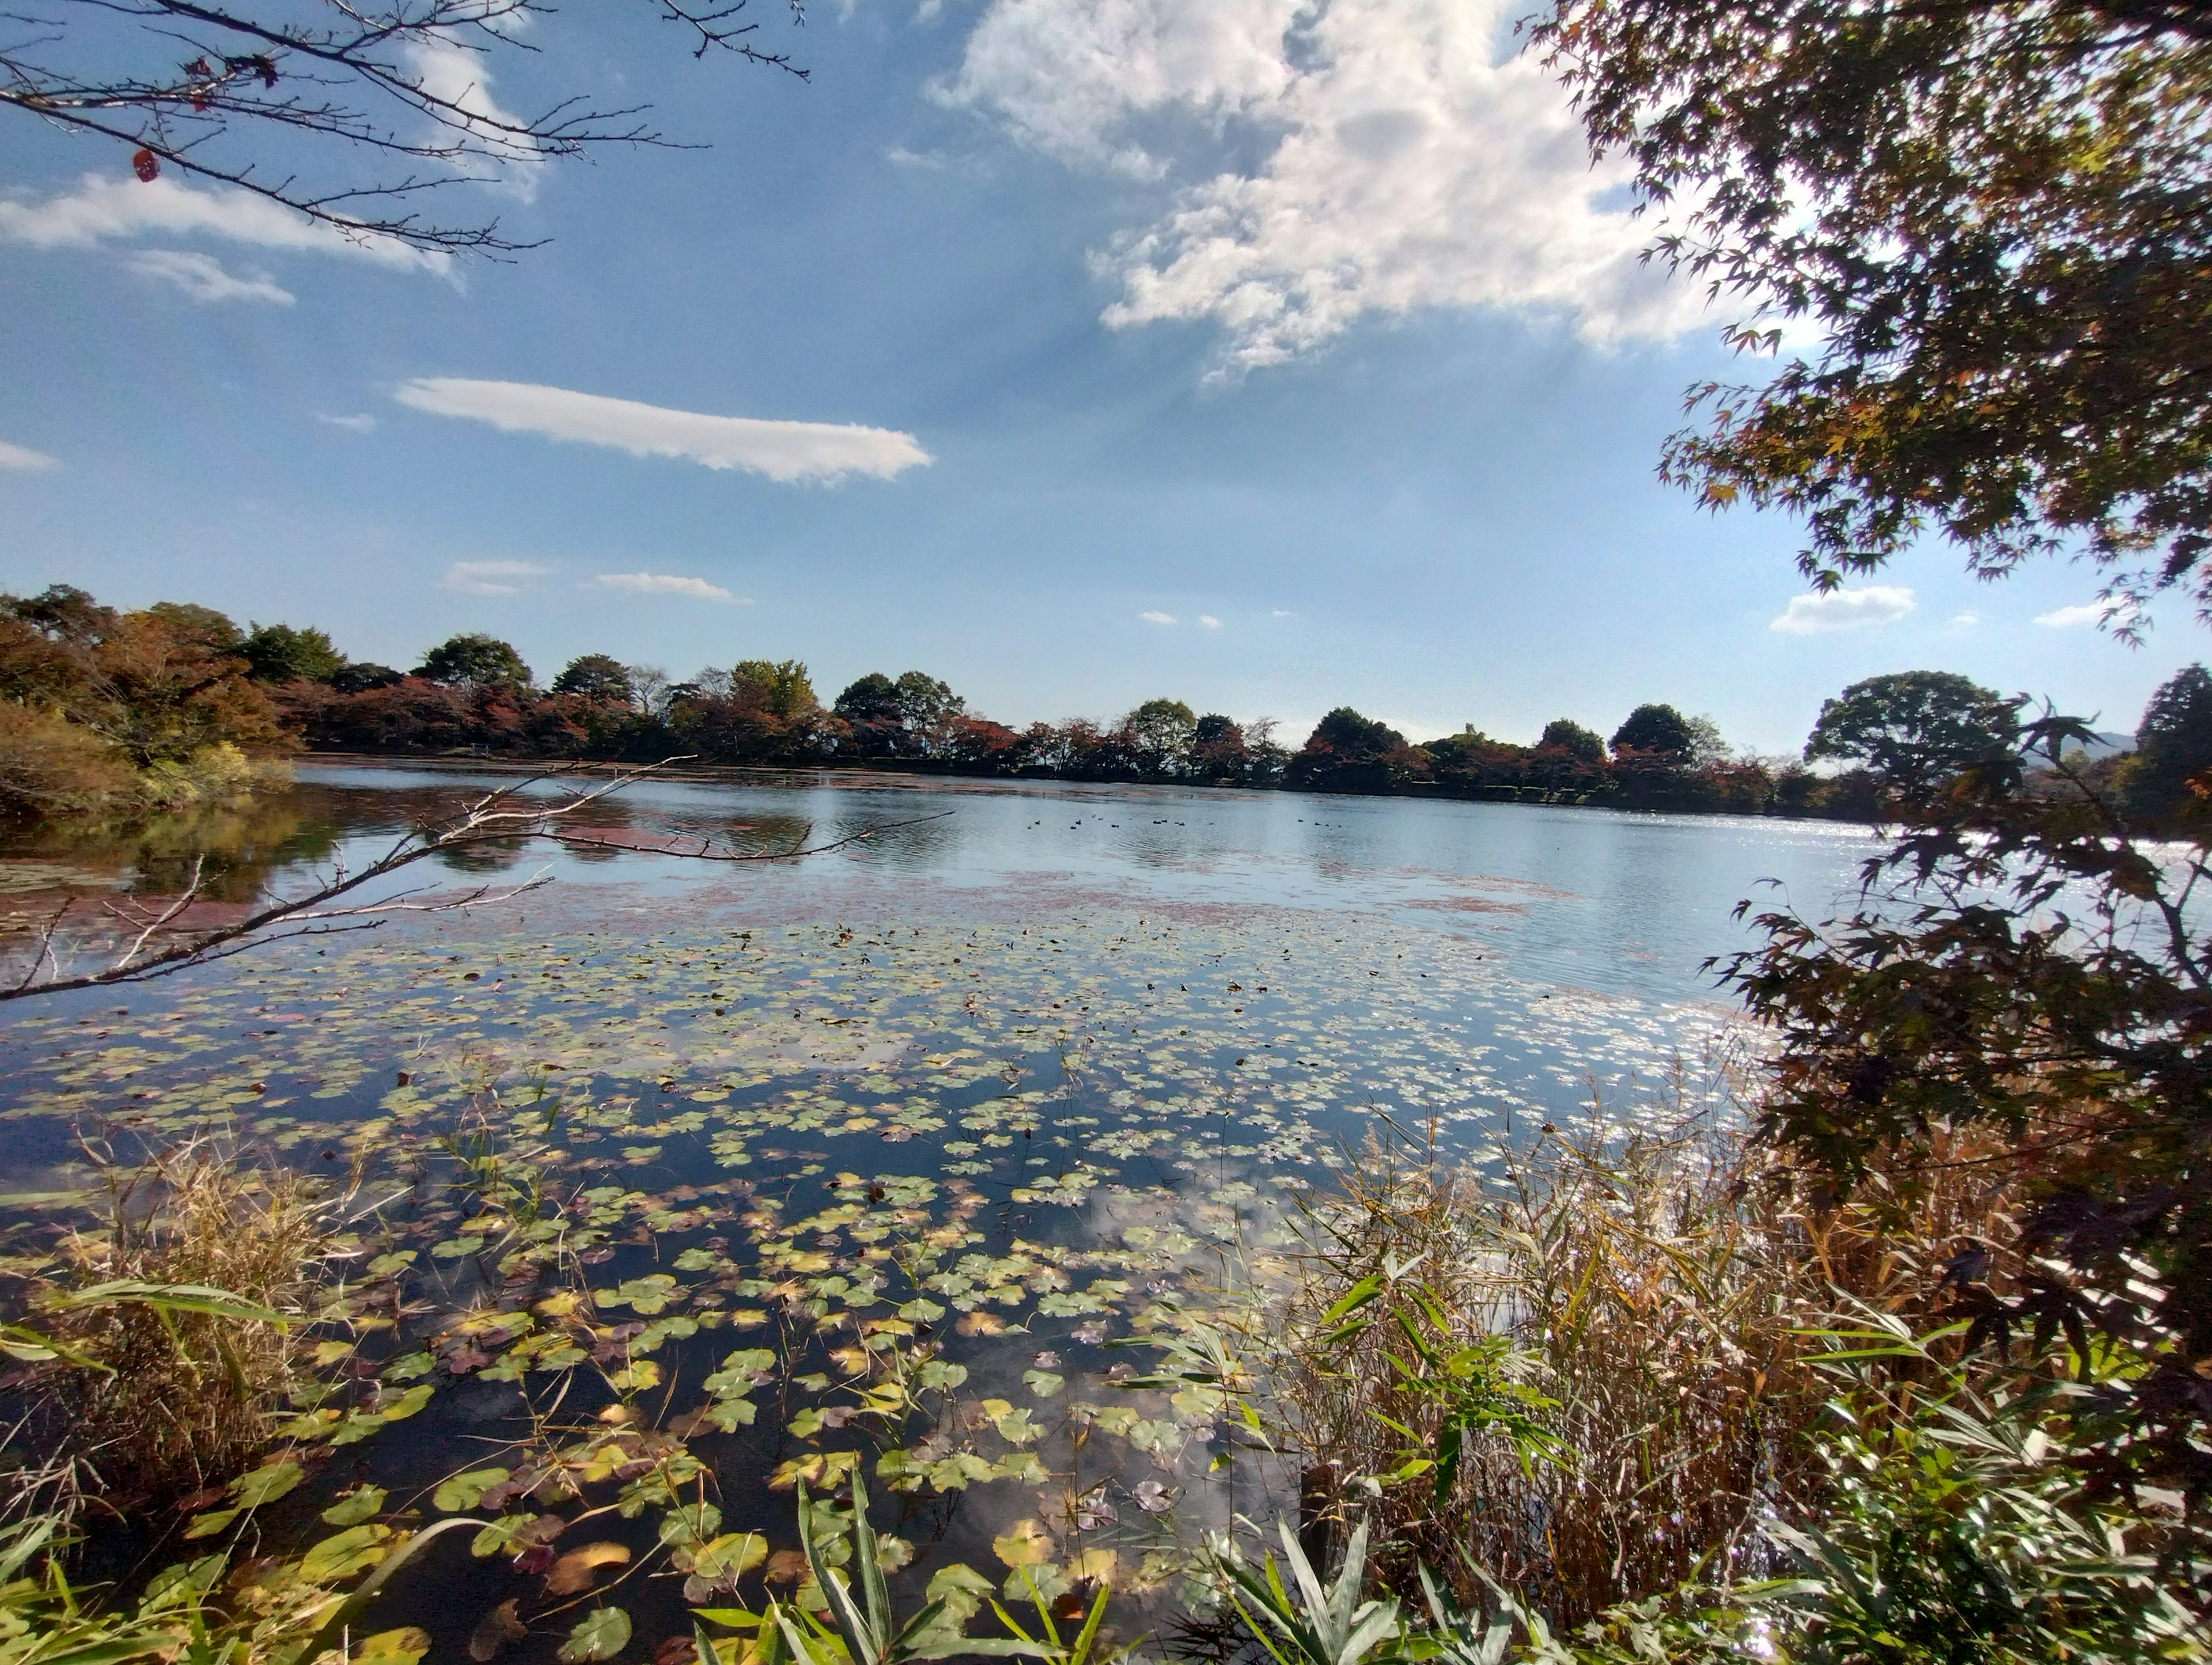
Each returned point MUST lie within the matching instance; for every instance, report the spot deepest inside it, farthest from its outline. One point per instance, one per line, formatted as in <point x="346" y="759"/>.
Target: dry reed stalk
<point x="1658" y="1285"/>
<point x="187" y="1398"/>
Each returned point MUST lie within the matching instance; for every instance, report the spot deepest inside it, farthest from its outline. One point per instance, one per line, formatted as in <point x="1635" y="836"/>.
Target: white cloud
<point x="489" y="577"/>
<point x="1403" y="156"/>
<point x="2086" y="616"/>
<point x="1157" y="617"/>
<point x="360" y="424"/>
<point x="452" y="72"/>
<point x="22" y="457"/>
<point x="780" y="450"/>
<point x="1209" y="622"/>
<point x="1965" y="621"/>
<point x="1284" y="612"/>
<point x="670" y="584"/>
<point x="103" y="210"/>
<point x="203" y="278"/>
<point x="1844" y="610"/>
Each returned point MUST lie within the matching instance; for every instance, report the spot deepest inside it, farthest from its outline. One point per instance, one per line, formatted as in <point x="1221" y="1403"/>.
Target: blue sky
<point x="1206" y="352"/>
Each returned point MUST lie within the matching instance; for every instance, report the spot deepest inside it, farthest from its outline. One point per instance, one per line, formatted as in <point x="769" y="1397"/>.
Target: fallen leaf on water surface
<point x="495" y="1632"/>
<point x="576" y="1571"/>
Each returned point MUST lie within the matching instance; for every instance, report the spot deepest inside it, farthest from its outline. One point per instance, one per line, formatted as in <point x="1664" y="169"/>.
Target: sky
<point x="1268" y="356"/>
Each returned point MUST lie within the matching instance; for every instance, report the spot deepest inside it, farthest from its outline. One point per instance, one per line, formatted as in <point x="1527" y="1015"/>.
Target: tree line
<point x="158" y="707"/>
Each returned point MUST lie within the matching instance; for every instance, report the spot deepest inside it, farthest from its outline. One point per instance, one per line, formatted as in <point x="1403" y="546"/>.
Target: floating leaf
<point x="1024" y="1544"/>
<point x="497" y="1631"/>
<point x="465" y="1491"/>
<point x="577" y="1569"/>
<point x="362" y="1503"/>
<point x="601" y="1634"/>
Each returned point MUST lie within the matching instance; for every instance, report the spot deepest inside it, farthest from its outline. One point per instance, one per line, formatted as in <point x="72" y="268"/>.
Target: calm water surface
<point x="1029" y="1071"/>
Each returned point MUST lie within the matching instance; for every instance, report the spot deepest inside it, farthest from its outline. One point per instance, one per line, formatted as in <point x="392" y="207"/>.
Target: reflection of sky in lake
<point x="1624" y="904"/>
<point x="1103" y="1033"/>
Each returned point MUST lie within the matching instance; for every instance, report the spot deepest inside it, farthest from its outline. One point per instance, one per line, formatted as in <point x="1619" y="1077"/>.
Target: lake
<point x="872" y="1157"/>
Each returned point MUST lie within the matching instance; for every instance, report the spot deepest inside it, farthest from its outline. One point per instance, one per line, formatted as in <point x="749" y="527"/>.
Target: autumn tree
<point x="286" y="101"/>
<point x="1990" y="221"/>
<point x="1914" y="728"/>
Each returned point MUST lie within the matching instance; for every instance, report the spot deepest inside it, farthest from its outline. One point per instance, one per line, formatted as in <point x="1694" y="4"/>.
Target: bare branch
<point x="497" y="818"/>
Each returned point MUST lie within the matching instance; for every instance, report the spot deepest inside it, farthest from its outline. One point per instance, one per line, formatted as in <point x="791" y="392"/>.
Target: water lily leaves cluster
<point x="868" y="1206"/>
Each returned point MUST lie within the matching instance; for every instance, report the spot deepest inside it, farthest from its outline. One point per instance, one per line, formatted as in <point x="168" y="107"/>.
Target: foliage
<point x="1571" y="737"/>
<point x="149" y="1394"/>
<point x="106" y="709"/>
<point x="1915" y="728"/>
<point x="1347" y="752"/>
<point x="1164" y="731"/>
<point x="1323" y="1623"/>
<point x="1995" y="218"/>
<point x="598" y="676"/>
<point x="2021" y="964"/>
<point x="473" y="660"/>
<point x="280" y="653"/>
<point x="2173" y="747"/>
<point x="1951" y="1527"/>
<point x="1659" y="729"/>
<point x="782" y="688"/>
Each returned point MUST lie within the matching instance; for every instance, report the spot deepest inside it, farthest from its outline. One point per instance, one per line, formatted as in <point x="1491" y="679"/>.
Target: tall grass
<point x="174" y="1325"/>
<point x="1583" y="1369"/>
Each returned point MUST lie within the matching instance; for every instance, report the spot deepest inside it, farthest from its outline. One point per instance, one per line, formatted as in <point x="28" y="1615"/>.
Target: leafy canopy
<point x="473" y="660"/>
<point x="595" y="676"/>
<point x="277" y="652"/>
<point x="1995" y="219"/>
<point x="1658" y="728"/>
<point x="1914" y="728"/>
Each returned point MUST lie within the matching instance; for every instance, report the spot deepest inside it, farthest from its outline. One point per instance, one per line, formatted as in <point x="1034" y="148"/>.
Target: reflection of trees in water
<point x="245" y="845"/>
<point x="240" y="844"/>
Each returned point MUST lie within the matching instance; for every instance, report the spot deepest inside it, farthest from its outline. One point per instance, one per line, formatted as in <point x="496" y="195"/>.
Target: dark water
<point x="938" y="1116"/>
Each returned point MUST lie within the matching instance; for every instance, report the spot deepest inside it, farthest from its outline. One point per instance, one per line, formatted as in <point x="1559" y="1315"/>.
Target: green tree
<point x="1995" y="215"/>
<point x="1914" y="728"/>
<point x="2173" y="745"/>
<point x="782" y="686"/>
<point x="359" y="676"/>
<point x="596" y="677"/>
<point x="277" y="652"/>
<point x="1164" y="731"/>
<point x="1658" y="729"/>
<point x="473" y="660"/>
<point x="1581" y="744"/>
<point x="871" y="698"/>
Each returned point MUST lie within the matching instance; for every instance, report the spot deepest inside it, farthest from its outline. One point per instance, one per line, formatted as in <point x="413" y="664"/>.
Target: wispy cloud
<point x="360" y="423"/>
<point x="785" y="451"/>
<point x="489" y="577"/>
<point x="1284" y="612"/>
<point x="102" y="210"/>
<point x="1965" y="621"/>
<point x="2087" y="616"/>
<point x="670" y="584"/>
<point x="22" y="457"/>
<point x="203" y="278"/>
<point x="1157" y="617"/>
<point x="1208" y="621"/>
<point x="1836" y="611"/>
